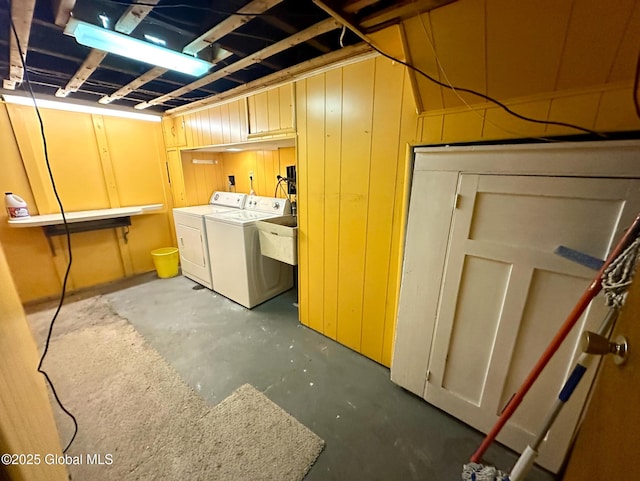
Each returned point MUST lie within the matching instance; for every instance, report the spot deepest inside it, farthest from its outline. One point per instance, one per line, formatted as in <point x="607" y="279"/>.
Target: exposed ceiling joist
<point x="134" y="85"/>
<point x="290" y="29"/>
<point x="229" y="25"/>
<point x="89" y="65"/>
<point x="304" y="68"/>
<point x="301" y="37"/>
<point x="22" y="14"/>
<point x="62" y="11"/>
<point x="126" y="24"/>
<point x="130" y="19"/>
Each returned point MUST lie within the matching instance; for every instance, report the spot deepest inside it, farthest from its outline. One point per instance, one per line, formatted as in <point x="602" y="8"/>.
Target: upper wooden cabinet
<point x="271" y="112"/>
<point x="173" y="131"/>
<point x="223" y="124"/>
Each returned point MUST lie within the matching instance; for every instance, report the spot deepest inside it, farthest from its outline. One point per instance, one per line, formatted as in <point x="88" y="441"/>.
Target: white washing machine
<point x="238" y="270"/>
<point x="192" y="235"/>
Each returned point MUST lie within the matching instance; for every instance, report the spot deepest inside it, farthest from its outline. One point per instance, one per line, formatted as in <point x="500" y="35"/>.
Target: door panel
<point x="609" y="439"/>
<point x="468" y="361"/>
<point x="505" y="293"/>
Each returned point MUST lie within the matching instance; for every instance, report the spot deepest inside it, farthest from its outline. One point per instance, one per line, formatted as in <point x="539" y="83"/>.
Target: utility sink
<point x="279" y="238"/>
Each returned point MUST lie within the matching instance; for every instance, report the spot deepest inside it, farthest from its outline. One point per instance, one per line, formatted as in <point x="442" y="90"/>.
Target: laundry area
<point x="319" y="240"/>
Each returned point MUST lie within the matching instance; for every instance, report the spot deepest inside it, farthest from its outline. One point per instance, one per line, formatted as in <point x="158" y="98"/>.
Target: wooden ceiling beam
<point x="62" y="11"/>
<point x="135" y="84"/>
<point x="228" y="25"/>
<point x="132" y="17"/>
<point x="290" y="29"/>
<point x="300" y="37"/>
<point x="22" y="14"/>
<point x="90" y="64"/>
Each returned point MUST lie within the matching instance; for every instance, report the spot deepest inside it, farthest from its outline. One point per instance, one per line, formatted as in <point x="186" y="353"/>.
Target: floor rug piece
<point x="139" y="421"/>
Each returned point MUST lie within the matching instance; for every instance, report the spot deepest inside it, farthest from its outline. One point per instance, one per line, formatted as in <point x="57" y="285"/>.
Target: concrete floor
<point x="374" y="430"/>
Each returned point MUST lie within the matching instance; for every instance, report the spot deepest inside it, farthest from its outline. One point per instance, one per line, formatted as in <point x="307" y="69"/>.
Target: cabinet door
<point x="176" y="178"/>
<point x="173" y="131"/>
<point x="505" y="294"/>
<point x="271" y="112"/>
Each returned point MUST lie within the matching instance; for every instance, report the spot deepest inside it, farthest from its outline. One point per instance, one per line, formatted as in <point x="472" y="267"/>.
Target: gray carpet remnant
<point x="139" y="421"/>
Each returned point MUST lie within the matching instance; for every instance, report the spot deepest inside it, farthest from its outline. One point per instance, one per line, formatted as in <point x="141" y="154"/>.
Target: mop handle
<point x="594" y="288"/>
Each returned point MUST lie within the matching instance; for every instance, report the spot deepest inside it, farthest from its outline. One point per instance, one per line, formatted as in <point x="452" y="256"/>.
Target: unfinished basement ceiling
<point x="246" y="40"/>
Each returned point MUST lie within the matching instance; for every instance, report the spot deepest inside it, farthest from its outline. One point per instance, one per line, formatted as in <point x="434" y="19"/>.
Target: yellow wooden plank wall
<point x="26" y="253"/>
<point x="265" y="165"/>
<point x="99" y="162"/>
<point x="354" y="124"/>
<point x="201" y="180"/>
<point x="26" y="418"/>
<point x="568" y="61"/>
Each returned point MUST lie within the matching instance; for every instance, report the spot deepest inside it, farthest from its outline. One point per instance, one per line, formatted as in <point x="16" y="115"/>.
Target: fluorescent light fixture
<point x="234" y="149"/>
<point x="113" y="42"/>
<point x="52" y="104"/>
<point x="204" y="161"/>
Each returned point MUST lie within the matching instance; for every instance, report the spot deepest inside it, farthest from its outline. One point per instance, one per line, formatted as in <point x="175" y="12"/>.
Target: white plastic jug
<point x="16" y="206"/>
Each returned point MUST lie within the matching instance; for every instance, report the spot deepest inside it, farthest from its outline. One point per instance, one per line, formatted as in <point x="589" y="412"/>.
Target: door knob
<point x="593" y="343"/>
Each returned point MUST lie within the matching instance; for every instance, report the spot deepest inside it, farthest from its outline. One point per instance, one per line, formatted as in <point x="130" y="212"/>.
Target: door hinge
<point x="428" y="376"/>
<point x="456" y="204"/>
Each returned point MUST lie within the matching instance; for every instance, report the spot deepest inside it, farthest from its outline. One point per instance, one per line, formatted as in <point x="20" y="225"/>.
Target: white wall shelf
<point x="84" y="216"/>
<point x="85" y="221"/>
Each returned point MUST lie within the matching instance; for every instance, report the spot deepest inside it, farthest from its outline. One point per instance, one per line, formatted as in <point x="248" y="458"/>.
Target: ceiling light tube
<point x="52" y="104"/>
<point x="113" y="42"/>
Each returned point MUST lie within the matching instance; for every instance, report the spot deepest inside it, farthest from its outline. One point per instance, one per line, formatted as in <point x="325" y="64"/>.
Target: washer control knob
<point x="276" y="205"/>
<point x="216" y="197"/>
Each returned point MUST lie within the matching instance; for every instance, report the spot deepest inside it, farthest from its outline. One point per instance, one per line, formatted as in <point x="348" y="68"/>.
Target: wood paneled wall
<point x="569" y="61"/>
<point x="98" y="162"/>
<point x="26" y="418"/>
<point x="353" y="125"/>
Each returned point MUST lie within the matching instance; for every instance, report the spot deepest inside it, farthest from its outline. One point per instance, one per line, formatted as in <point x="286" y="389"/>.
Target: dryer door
<point x="193" y="254"/>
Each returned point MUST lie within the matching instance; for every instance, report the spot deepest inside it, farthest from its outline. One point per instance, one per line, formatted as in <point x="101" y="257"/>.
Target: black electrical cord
<point x="279" y="184"/>
<point x="483" y="96"/>
<point x="275" y="192"/>
<point x="636" y="81"/>
<point x="66" y="228"/>
<point x="471" y="91"/>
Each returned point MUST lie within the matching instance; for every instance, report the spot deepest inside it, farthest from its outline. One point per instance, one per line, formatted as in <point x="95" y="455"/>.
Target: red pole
<point x="594" y="288"/>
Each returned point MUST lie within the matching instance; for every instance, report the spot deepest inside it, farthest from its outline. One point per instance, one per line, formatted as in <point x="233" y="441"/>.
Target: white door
<point x="505" y="294"/>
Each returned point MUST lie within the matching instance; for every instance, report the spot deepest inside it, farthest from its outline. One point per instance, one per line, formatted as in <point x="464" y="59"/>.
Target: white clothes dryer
<point x="192" y="235"/>
<point x="239" y="271"/>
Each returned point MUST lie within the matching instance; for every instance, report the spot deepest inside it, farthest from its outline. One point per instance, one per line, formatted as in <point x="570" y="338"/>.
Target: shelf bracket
<point x="86" y="226"/>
